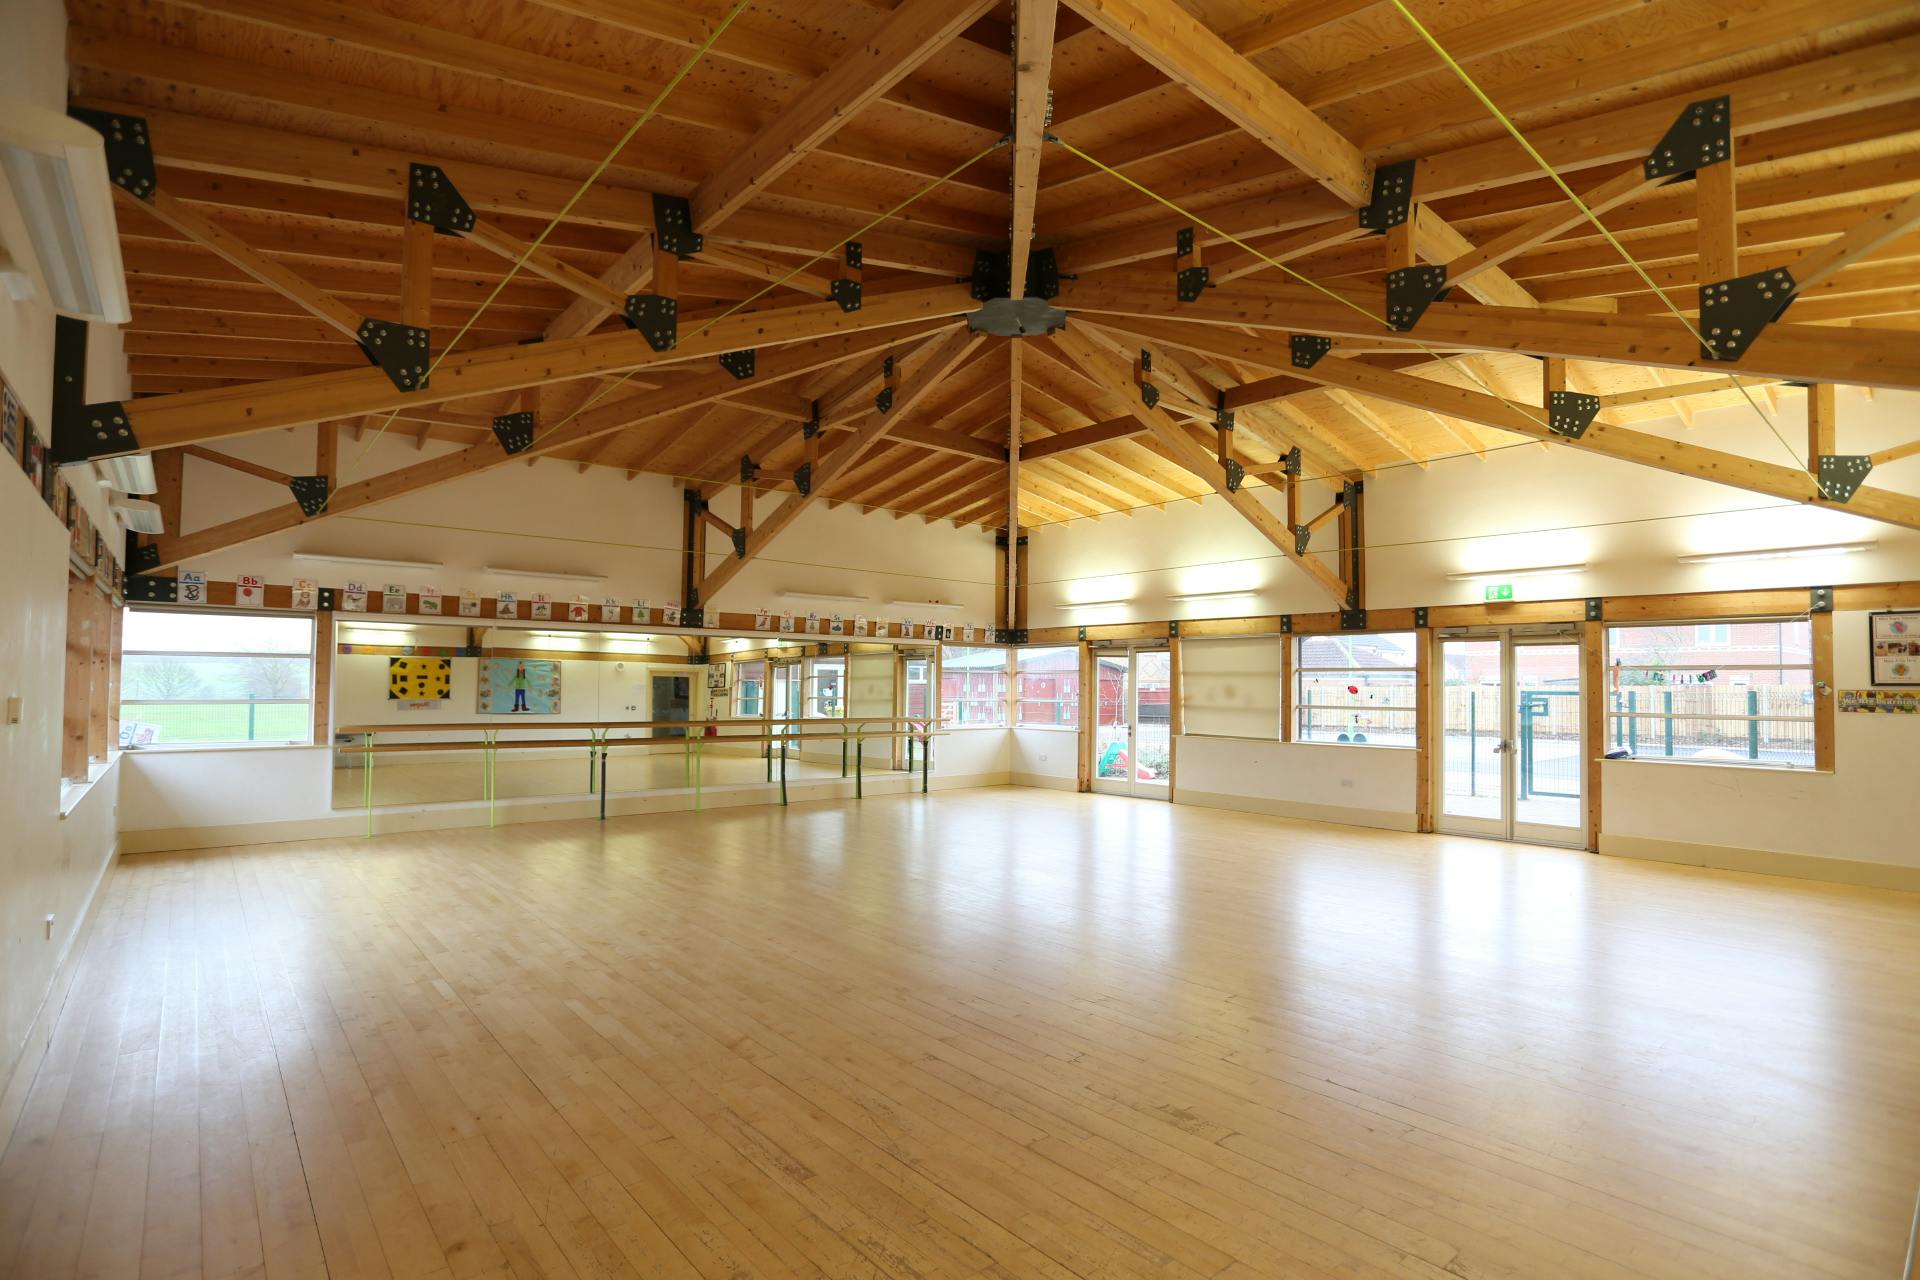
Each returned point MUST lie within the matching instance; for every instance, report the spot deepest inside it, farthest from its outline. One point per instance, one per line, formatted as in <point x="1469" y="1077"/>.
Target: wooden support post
<point x="666" y="272"/>
<point x="1424" y="708"/>
<point x="1400" y="241"/>
<point x="1286" y="688"/>
<point x="1089" y="717"/>
<point x="169" y="467"/>
<point x="693" y="549"/>
<point x="1822" y="426"/>
<point x="1351" y="554"/>
<point x="416" y="274"/>
<point x="1002" y="592"/>
<point x="1009" y="602"/>
<point x="1715" y="209"/>
<point x="1176" y="717"/>
<point x="78" y="683"/>
<point x="326" y="453"/>
<point x="1825" y="699"/>
<point x="1593" y="741"/>
<point x="323" y="675"/>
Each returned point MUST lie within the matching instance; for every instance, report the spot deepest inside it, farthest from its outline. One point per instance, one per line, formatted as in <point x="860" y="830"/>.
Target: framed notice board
<point x="1893" y="648"/>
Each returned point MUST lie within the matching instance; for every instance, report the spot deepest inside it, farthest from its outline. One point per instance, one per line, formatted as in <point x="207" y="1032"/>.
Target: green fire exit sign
<point x="1499" y="591"/>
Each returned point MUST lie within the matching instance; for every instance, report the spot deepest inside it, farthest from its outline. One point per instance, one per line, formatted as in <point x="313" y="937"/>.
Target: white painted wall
<point x="1046" y="758"/>
<point x="1517" y="507"/>
<point x="1364" y="786"/>
<point x="973" y="758"/>
<point x="551" y="516"/>
<point x="49" y="864"/>
<point x="1866" y="810"/>
<point x="224" y="787"/>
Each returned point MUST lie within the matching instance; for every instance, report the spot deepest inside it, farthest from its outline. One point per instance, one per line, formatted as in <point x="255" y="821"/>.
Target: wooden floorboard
<point x="999" y="1033"/>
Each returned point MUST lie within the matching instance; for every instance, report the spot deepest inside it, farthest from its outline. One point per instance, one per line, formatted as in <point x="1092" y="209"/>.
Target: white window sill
<point x="183" y="748"/>
<point x="1755" y="766"/>
<point x="74" y="790"/>
<point x="1046" y="728"/>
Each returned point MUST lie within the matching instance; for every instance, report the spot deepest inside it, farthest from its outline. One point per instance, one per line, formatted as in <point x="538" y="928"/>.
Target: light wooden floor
<point x="1000" y="1033"/>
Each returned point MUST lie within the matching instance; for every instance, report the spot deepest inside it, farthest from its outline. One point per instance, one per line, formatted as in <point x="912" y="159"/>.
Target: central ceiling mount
<point x="1016" y="318"/>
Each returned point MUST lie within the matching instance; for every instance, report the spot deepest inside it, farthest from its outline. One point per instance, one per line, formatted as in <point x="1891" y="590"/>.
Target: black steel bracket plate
<point x="992" y="276"/>
<point x="1570" y="413"/>
<point x="1236" y="474"/>
<point x="1702" y="135"/>
<point x="1307" y="348"/>
<point x="655" y="317"/>
<point x="97" y="430"/>
<point x="129" y="149"/>
<point x="1043" y="274"/>
<point x="1409" y="292"/>
<point x="673" y="226"/>
<point x="738" y="363"/>
<point x="145" y="587"/>
<point x="845" y="294"/>
<point x="514" y="431"/>
<point x="1392" y="197"/>
<point x="1733" y="312"/>
<point x="803" y="479"/>
<point x="310" y="492"/>
<point x="432" y="198"/>
<point x="1353" y="619"/>
<point x="398" y="350"/>
<point x="1839" y="475"/>
<point x="1191" y="282"/>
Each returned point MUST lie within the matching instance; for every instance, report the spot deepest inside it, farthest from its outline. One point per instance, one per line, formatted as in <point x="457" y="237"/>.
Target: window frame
<point x="317" y="635"/>
<point x="1000" y="698"/>
<point x="1069" y="706"/>
<point x="1296" y="728"/>
<point x="1815" y="709"/>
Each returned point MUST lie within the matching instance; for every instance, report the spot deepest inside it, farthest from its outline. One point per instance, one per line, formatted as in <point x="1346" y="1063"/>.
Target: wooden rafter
<point x="1033" y="26"/>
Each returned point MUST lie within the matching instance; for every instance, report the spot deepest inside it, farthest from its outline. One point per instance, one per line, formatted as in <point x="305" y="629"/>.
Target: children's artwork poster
<point x="609" y="610"/>
<point x="192" y="588"/>
<point x="250" y="591"/>
<point x="519" y="686"/>
<point x="393" y="598"/>
<point x="419" y="684"/>
<point x="540" y="610"/>
<point x="432" y="602"/>
<point x="469" y="605"/>
<point x="353" y="598"/>
<point x="641" y="611"/>
<point x="670" y="614"/>
<point x="786" y="622"/>
<point x="505" y="605"/>
<point x="761" y="619"/>
<point x="718" y="676"/>
<point x="80" y="539"/>
<point x="1880" y="701"/>
<point x="33" y="456"/>
<point x="577" y="610"/>
<point x="306" y="594"/>
<point x="859" y="624"/>
<point x="837" y="625"/>
<point x="1895" y="641"/>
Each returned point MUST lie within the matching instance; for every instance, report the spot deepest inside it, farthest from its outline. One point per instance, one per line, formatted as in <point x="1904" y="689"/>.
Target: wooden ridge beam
<point x="1108" y="372"/>
<point x="931" y="368"/>
<point x="1033" y="26"/>
<point x="906" y="38"/>
<point x="1181" y="47"/>
<point x="1087" y="437"/>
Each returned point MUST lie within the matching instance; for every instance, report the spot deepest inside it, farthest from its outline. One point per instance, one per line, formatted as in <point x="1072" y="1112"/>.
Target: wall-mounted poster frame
<point x="1893" y="648"/>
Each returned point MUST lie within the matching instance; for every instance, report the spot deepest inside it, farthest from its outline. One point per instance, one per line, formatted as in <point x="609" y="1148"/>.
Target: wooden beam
<point x="1548" y="223"/>
<point x="1715" y="211"/>
<point x="1013" y="484"/>
<point x="1676" y="390"/>
<point x="1121" y="428"/>
<point x="1033" y="22"/>
<point x="908" y="36"/>
<point x="1822" y="424"/>
<point x="614" y="415"/>
<point x="930" y="370"/>
<point x="1165" y="35"/>
<point x="1798" y="352"/>
<point x="284" y="281"/>
<point x="1851" y="246"/>
<point x="159" y="421"/>
<point x="541" y="262"/>
<point x="1108" y="372"/>
<point x="241" y="465"/>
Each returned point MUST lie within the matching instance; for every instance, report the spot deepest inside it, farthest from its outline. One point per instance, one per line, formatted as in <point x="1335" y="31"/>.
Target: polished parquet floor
<point x="1004" y="1033"/>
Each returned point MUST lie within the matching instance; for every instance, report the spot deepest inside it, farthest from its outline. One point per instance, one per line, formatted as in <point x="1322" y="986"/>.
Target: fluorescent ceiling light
<point x="1212" y="595"/>
<point x="1504" y="575"/>
<point x="1096" y="604"/>
<point x="919" y="604"/>
<point x="372" y="560"/>
<point x="129" y="473"/>
<point x="815" y="595"/>
<point x="1781" y="553"/>
<point x="140" y="517"/>
<point x="58" y="238"/>
<point x="544" y="573"/>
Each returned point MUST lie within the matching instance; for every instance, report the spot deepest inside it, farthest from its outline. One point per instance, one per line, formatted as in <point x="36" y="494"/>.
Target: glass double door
<point x="1132" y="722"/>
<point x="1511" y="762"/>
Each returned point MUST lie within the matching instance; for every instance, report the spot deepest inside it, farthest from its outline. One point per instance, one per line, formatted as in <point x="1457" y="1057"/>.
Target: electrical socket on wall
<point x="49" y="926"/>
<point x="13" y="708"/>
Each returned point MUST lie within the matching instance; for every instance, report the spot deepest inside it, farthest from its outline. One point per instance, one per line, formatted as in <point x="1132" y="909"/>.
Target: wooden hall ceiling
<point x="289" y="125"/>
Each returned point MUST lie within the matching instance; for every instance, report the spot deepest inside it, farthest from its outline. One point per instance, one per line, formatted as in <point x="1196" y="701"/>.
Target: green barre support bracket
<point x="699" y="771"/>
<point x="859" y="772"/>
<point x="783" y="770"/>
<point x="843" y="748"/>
<point x="926" y="753"/>
<point x="490" y="773"/>
<point x="603" y="780"/>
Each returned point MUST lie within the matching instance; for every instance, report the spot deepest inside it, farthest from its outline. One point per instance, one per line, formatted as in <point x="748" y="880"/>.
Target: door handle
<point x="1501" y="746"/>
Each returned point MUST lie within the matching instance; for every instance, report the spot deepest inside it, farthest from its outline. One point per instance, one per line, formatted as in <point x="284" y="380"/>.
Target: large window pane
<point x="826" y="689"/>
<point x="1726" y="693"/>
<point x="973" y="686"/>
<point x="1355" y="688"/>
<point x="216" y="678"/>
<point x="1047" y="687"/>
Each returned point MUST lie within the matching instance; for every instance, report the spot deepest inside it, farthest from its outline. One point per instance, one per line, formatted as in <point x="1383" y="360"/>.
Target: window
<point x="749" y="688"/>
<point x="92" y="666"/>
<point x="973" y="687"/>
<point x="216" y="677"/>
<point x="1046" y="687"/>
<point x="826" y="689"/>
<point x="919" y="674"/>
<point x="1230" y="688"/>
<point x="1355" y="688"/>
<point x="1742" y="697"/>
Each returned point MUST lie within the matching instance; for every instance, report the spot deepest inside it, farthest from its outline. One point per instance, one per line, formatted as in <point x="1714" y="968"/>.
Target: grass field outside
<point x="178" y="722"/>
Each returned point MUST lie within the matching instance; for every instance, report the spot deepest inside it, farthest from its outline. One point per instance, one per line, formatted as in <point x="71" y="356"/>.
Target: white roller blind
<point x="1232" y="686"/>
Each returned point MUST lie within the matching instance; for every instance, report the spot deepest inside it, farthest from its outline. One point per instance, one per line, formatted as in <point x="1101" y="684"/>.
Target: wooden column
<point x="1286" y="688"/>
<point x="98" y="678"/>
<point x="1715" y="211"/>
<point x="1823" y="692"/>
<point x="323" y="677"/>
<point x="1424" y="704"/>
<point x="116" y="617"/>
<point x="77" y="683"/>
<point x="1176" y="717"/>
<point x="1822" y="424"/>
<point x="169" y="468"/>
<point x="1089" y="716"/>
<point x="1593" y="745"/>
